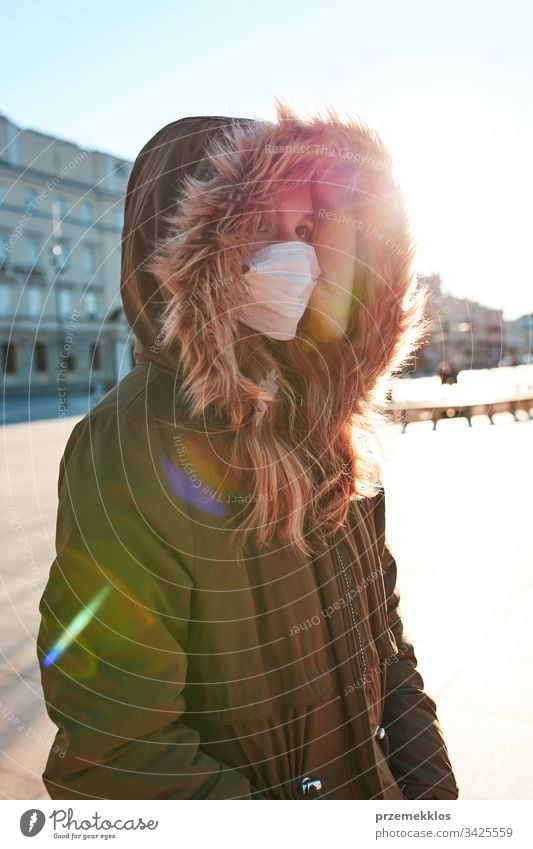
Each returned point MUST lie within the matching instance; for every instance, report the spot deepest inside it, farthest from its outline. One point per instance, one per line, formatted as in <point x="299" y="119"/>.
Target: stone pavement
<point x="459" y="524"/>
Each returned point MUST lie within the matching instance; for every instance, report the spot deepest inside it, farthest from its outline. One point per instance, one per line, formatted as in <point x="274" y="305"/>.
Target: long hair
<point x="299" y="418"/>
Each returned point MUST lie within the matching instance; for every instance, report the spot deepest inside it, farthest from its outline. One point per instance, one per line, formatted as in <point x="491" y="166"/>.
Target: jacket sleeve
<point x="418" y="756"/>
<point x="112" y="638"/>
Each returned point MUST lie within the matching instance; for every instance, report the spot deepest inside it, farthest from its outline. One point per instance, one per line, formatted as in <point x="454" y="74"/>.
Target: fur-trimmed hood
<point x="199" y="192"/>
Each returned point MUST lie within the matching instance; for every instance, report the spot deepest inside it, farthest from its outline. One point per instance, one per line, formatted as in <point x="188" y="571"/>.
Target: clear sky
<point x="447" y="83"/>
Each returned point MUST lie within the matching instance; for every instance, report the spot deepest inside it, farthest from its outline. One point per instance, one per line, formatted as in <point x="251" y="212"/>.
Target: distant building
<point x="61" y="216"/>
<point x="463" y="333"/>
<point x="518" y="337"/>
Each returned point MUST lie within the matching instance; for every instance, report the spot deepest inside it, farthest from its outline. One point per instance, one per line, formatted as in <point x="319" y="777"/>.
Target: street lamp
<point x="58" y="264"/>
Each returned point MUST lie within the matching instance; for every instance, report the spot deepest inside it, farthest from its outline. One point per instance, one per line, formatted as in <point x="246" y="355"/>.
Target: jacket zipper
<point x="355" y="627"/>
<point x="354" y="621"/>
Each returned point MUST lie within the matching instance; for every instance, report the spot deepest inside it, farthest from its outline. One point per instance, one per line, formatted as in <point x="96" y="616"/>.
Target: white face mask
<point x="281" y="279"/>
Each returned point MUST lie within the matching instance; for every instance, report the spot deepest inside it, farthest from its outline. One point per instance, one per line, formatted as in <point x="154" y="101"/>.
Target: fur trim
<point x="215" y="231"/>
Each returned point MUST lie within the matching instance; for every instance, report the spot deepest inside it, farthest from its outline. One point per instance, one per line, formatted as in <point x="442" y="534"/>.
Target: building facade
<point x="61" y="213"/>
<point x="463" y="333"/>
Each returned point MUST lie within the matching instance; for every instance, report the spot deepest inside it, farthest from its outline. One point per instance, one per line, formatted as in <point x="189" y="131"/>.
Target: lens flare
<point x="80" y="621"/>
<point x="192" y="490"/>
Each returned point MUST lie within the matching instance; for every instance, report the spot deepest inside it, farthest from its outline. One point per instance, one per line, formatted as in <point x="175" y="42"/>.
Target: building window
<point x="91" y="304"/>
<point x="89" y="259"/>
<point x="35" y="301"/>
<point x="86" y="210"/>
<point x="30" y="198"/>
<point x="33" y="251"/>
<point x="40" y="357"/>
<point x="95" y="361"/>
<point x="9" y="364"/>
<point x="5" y="300"/>
<point x="60" y="206"/>
<point x="64" y="303"/>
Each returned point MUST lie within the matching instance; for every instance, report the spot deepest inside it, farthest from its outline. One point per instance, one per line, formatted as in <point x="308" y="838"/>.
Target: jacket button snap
<point x="308" y="787"/>
<point x="380" y="732"/>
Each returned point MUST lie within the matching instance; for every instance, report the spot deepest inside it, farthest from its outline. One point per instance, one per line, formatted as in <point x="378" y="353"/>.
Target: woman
<point x="221" y="620"/>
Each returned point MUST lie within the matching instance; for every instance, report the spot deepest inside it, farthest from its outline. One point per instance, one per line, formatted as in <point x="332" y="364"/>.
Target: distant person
<point x="221" y="620"/>
<point x="446" y="373"/>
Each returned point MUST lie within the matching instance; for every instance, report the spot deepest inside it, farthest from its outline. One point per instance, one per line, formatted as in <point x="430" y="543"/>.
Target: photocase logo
<point x="32" y="822"/>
